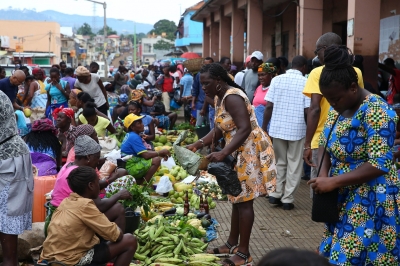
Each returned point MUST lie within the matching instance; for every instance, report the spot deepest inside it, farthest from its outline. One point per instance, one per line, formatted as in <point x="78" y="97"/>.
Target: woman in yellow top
<point x="100" y="124"/>
<point x="236" y="123"/>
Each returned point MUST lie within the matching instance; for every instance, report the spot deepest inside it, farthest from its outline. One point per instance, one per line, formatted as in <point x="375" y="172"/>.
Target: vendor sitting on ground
<point x="165" y="120"/>
<point x="81" y="99"/>
<point x="100" y="124"/>
<point x="63" y="118"/>
<point x="87" y="153"/>
<point x="122" y="103"/>
<point x="72" y="135"/>
<point x="77" y="224"/>
<point x="149" y="132"/>
<point x="144" y="163"/>
<point x="44" y="147"/>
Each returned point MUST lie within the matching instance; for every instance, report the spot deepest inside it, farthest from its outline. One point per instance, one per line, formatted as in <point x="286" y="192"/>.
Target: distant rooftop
<point x="194" y="7"/>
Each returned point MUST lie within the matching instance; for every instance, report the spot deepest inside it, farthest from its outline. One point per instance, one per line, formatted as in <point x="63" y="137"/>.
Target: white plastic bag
<point x="113" y="155"/>
<point x="170" y="163"/>
<point x="164" y="185"/>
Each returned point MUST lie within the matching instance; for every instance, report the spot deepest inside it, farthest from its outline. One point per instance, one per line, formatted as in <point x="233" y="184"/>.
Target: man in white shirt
<point x="250" y="79"/>
<point x="286" y="109"/>
<point x="239" y="76"/>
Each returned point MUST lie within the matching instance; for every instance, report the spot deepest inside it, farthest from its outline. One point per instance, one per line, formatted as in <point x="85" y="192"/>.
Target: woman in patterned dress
<point x="236" y="123"/>
<point x="16" y="183"/>
<point x="359" y="157"/>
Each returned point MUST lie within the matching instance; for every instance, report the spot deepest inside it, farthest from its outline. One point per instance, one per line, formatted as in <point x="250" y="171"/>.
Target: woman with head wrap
<point x="91" y="83"/>
<point x="80" y="130"/>
<point x="87" y="153"/>
<point x="44" y="146"/>
<point x="266" y="71"/>
<point x="16" y="183"/>
<point x="57" y="92"/>
<point x="64" y="118"/>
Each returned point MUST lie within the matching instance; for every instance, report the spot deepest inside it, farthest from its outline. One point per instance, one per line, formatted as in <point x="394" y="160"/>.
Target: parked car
<point x="129" y="58"/>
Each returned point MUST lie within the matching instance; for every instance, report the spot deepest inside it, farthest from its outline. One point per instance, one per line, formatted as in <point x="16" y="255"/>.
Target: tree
<point x="110" y="31"/>
<point x="164" y="25"/>
<point x="162" y="45"/>
<point x="85" y="29"/>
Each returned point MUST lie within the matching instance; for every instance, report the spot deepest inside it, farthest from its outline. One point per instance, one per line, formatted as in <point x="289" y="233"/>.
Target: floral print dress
<point x="368" y="229"/>
<point x="255" y="158"/>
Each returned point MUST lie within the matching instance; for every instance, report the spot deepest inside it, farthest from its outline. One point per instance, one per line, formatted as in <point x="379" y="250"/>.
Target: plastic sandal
<point x="232" y="248"/>
<point x="248" y="260"/>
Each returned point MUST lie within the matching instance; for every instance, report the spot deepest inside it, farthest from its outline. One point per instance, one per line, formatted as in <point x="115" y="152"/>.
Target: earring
<point x="220" y="87"/>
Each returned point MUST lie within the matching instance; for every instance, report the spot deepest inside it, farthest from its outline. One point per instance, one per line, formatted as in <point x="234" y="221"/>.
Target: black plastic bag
<point x="227" y="178"/>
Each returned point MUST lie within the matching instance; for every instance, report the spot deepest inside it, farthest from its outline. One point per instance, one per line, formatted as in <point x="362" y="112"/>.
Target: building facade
<point x="38" y="42"/>
<point x="189" y="34"/>
<point x="236" y="28"/>
<point x="149" y="54"/>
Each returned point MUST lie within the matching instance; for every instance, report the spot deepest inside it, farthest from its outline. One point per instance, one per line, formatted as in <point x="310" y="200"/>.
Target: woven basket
<point x="193" y="65"/>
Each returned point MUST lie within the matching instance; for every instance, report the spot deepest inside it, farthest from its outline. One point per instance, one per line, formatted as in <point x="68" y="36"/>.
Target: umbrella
<point x="190" y="55"/>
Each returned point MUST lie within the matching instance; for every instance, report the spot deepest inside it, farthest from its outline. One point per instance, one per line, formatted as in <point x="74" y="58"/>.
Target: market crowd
<point x="280" y="121"/>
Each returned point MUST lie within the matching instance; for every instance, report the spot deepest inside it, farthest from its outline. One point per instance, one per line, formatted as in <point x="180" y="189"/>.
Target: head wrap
<point x="82" y="71"/>
<point x="36" y="71"/>
<point x="123" y="98"/>
<point x="233" y="67"/>
<point x="248" y="59"/>
<point x="85" y="145"/>
<point x="67" y="111"/>
<point x="44" y="125"/>
<point x="268" y="68"/>
<point x="75" y="132"/>
<point x="137" y="95"/>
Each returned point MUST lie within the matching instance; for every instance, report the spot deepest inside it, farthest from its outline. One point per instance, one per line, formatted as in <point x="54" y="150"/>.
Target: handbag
<point x="325" y="206"/>
<point x="227" y="177"/>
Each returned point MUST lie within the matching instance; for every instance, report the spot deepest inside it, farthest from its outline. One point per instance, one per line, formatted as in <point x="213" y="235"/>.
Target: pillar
<point x="311" y="12"/>
<point x="237" y="34"/>
<point x="206" y="39"/>
<point x="254" y="26"/>
<point x="214" y="39"/>
<point x="364" y="40"/>
<point x="224" y="34"/>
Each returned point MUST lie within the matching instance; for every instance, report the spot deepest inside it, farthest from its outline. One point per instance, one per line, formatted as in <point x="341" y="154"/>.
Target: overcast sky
<point x="144" y="11"/>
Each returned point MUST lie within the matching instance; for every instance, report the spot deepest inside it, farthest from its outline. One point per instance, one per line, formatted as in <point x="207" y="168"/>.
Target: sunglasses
<point x="319" y="49"/>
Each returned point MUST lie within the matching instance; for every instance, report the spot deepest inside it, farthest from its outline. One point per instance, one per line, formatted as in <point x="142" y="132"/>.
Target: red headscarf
<point x="67" y="111"/>
<point x="44" y="125"/>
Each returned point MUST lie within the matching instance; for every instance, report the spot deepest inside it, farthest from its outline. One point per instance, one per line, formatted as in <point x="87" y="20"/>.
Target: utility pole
<point x="49" y="46"/>
<point x="134" y="48"/>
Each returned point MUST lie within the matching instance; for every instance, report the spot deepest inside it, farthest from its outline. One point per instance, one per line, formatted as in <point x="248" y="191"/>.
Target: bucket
<point x="202" y="131"/>
<point x="132" y="220"/>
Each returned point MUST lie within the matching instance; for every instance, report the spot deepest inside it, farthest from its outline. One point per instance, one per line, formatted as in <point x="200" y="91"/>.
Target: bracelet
<point x="202" y="142"/>
<point x="307" y="148"/>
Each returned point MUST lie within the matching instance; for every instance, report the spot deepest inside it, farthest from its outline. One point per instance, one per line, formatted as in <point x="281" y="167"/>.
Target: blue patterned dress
<point x="369" y="226"/>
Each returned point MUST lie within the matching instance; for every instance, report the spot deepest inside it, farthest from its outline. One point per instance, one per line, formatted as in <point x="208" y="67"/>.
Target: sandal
<point x="248" y="260"/>
<point x="232" y="249"/>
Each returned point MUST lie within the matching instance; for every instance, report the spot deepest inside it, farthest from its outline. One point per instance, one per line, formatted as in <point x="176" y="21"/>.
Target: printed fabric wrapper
<point x="124" y="182"/>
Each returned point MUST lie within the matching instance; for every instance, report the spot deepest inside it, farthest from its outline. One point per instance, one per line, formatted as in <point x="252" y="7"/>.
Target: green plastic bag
<point x="190" y="161"/>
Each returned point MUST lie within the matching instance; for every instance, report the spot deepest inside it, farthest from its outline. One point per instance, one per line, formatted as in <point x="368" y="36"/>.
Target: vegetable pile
<point x="161" y="242"/>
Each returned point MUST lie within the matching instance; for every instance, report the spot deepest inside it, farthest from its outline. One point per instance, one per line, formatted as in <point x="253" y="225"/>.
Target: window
<point x="285" y="45"/>
<point x="41" y="61"/>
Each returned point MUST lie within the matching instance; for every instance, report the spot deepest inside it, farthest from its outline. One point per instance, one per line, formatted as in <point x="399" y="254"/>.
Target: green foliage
<point x="110" y="31"/>
<point x="167" y="26"/>
<point x="85" y="29"/>
<point x="162" y="45"/>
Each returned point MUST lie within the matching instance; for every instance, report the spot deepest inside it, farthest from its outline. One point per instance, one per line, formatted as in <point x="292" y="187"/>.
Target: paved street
<point x="273" y="227"/>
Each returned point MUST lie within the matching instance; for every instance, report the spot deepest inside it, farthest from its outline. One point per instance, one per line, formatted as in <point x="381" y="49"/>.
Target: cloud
<point x="149" y="11"/>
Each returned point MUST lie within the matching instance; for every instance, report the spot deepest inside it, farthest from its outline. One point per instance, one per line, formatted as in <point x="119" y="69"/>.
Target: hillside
<point x="66" y="20"/>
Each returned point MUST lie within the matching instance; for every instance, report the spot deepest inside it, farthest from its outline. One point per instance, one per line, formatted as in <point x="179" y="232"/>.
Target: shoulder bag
<point x="325" y="206"/>
<point x="225" y="173"/>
